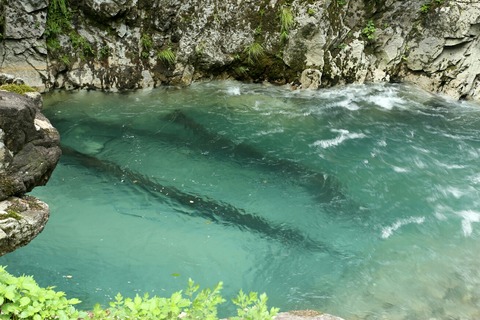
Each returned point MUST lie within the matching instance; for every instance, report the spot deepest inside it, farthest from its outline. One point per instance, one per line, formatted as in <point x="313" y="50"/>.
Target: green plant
<point x="286" y="22"/>
<point x="430" y="5"/>
<point x="147" y="45"/>
<point x="167" y="56"/>
<point x="22" y="298"/>
<point x="65" y="59"/>
<point x="311" y="11"/>
<point x="104" y="52"/>
<point x="425" y="8"/>
<point x="258" y="30"/>
<point x="250" y="307"/>
<point x="58" y="22"/>
<point x="341" y="2"/>
<point x="17" y="88"/>
<point x="241" y="70"/>
<point x="80" y="44"/>
<point x="254" y="52"/>
<point x="369" y="30"/>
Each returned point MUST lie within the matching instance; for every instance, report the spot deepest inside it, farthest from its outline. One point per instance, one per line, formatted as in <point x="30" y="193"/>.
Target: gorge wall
<point x="129" y="44"/>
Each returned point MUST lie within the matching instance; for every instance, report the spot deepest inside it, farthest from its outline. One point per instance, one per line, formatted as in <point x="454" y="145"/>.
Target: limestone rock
<point x="108" y="9"/>
<point x="23" y="52"/>
<point x="305" y="315"/>
<point x="29" y="145"/>
<point x="21" y="220"/>
<point x="310" y="79"/>
<point x="436" y="49"/>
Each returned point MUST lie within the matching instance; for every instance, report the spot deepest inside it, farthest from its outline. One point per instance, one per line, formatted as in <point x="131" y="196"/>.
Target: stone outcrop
<point x="129" y="44"/>
<point x="21" y="220"/>
<point x="29" y="151"/>
<point x="23" y="49"/>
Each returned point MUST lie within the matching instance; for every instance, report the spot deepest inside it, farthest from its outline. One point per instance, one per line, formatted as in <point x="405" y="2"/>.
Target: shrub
<point x="22" y="298"/>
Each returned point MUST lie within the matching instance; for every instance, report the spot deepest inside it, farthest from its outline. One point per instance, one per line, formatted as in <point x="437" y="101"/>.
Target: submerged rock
<point x="29" y="151"/>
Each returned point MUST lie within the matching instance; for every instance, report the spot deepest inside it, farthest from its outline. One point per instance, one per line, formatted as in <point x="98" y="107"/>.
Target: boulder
<point x="29" y="151"/>
<point x="21" y="220"/>
<point x="29" y="145"/>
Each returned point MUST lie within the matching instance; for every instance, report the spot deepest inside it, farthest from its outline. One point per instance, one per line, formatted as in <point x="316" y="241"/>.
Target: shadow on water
<point x="215" y="211"/>
<point x="323" y="187"/>
<point x="186" y="132"/>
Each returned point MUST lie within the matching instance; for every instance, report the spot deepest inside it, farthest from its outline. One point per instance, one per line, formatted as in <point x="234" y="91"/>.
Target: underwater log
<point x="207" y="208"/>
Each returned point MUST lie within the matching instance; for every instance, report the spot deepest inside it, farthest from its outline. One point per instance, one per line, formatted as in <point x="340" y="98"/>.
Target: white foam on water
<point x="388" y="99"/>
<point x="233" y="91"/>
<point x="400" y="170"/>
<point x="382" y="143"/>
<point x="455" y="192"/>
<point x="344" y="135"/>
<point x="475" y="179"/>
<point x="388" y="231"/>
<point x="469" y="216"/>
<point x="268" y="132"/>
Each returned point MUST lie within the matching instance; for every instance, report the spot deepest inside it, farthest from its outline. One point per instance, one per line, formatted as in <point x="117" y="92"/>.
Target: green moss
<point x="11" y="214"/>
<point x="17" y="88"/>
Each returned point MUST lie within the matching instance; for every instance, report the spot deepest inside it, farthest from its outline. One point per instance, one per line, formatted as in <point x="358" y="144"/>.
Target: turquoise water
<point x="361" y="201"/>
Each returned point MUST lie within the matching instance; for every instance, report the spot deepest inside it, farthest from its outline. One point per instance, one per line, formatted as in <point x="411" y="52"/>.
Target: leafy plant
<point x="369" y="30"/>
<point x="80" y="44"/>
<point x="430" y="5"/>
<point x="17" y="88"/>
<point x="147" y="45"/>
<point x="22" y="298"/>
<point x="58" y="22"/>
<point x="250" y="307"/>
<point x="254" y="52"/>
<point x="311" y="11"/>
<point x="167" y="56"/>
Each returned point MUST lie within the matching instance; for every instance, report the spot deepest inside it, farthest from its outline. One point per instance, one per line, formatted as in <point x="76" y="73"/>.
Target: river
<point x="360" y="201"/>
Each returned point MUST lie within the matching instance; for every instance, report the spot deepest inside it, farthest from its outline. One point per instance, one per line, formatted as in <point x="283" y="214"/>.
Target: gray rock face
<point x="23" y="48"/>
<point x="29" y="151"/>
<point x="29" y="145"/>
<point x="130" y="44"/>
<point x="21" y="220"/>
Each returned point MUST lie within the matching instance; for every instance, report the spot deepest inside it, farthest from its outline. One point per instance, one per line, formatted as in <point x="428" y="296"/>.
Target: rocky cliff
<point x="29" y="151"/>
<point x="128" y="44"/>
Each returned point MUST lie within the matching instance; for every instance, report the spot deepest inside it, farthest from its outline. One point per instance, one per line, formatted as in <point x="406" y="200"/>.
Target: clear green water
<point x="360" y="201"/>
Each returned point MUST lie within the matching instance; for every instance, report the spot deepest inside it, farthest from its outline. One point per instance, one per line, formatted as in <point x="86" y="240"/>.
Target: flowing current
<point x="360" y="201"/>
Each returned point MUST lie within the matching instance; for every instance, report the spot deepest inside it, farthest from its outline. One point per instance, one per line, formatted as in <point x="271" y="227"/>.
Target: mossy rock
<point x="17" y="88"/>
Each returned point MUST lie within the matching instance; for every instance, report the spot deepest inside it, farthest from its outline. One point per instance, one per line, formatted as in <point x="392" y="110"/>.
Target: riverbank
<point x="115" y="46"/>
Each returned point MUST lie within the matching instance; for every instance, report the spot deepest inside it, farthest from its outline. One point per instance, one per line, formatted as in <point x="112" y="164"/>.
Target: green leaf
<point x="24" y="301"/>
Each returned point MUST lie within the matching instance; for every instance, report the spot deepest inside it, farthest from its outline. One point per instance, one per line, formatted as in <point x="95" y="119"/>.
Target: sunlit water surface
<point x="360" y="201"/>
